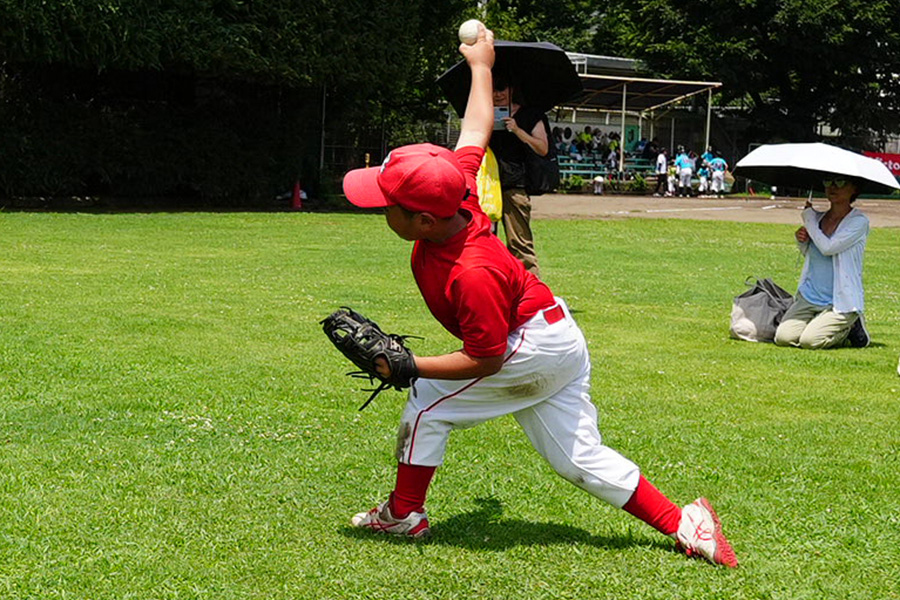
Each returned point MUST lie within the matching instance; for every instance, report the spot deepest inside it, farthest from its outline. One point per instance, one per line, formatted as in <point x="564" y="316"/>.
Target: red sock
<point x="650" y="506"/>
<point x="409" y="493"/>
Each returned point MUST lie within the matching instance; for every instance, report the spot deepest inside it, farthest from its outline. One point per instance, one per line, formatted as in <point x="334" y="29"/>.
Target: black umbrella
<point x="539" y="70"/>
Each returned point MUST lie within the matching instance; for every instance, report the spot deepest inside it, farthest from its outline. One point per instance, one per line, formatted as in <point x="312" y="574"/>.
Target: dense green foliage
<point x="176" y="425"/>
<point x="152" y="134"/>
<point x="282" y="42"/>
<point x="223" y="100"/>
<point x="796" y="63"/>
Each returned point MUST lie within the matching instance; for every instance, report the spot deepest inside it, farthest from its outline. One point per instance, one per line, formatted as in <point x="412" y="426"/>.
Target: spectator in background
<point x="573" y="152"/>
<point x="525" y="131"/>
<point x="828" y="307"/>
<point x="561" y="147"/>
<point x="614" y="141"/>
<point x="662" y="169"/>
<point x="612" y="160"/>
<point x="718" y="167"/>
<point x="639" y="147"/>
<point x="601" y="143"/>
<point x="671" y="180"/>
<point x="703" y="174"/>
<point x="600" y="140"/>
<point x="685" y="167"/>
<point x="586" y="141"/>
<point x="651" y="150"/>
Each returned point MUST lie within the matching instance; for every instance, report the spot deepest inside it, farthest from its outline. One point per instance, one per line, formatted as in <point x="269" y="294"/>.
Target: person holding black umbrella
<point x="524" y="130"/>
<point x="828" y="307"/>
<point x="536" y="76"/>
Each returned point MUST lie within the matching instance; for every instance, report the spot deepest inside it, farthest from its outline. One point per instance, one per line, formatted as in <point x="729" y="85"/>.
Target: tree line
<point x="221" y="101"/>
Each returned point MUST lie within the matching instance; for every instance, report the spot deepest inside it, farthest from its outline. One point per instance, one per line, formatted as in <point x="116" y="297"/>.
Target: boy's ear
<point x="426" y="219"/>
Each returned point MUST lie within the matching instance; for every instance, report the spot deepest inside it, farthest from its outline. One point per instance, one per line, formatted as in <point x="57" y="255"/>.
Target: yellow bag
<point x="490" y="196"/>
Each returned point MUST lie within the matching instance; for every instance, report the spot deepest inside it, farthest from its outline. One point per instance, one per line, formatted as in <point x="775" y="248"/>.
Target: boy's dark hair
<point x="410" y="214"/>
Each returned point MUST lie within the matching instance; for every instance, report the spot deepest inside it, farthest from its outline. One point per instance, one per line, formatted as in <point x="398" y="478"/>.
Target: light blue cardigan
<point x="846" y="247"/>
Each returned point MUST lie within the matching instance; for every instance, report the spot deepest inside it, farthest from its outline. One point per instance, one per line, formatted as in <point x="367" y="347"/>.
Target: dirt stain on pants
<point x="403" y="435"/>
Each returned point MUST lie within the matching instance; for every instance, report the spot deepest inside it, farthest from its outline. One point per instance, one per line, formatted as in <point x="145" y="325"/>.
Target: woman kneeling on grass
<point x="828" y="308"/>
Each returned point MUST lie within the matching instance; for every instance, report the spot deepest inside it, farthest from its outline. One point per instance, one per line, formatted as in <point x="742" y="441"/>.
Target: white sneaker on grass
<point x="380" y="519"/>
<point x="700" y="533"/>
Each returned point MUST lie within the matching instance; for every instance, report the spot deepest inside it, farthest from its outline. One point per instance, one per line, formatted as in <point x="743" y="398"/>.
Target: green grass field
<point x="176" y="425"/>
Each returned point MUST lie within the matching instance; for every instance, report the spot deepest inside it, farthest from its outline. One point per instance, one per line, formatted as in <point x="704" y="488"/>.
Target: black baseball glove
<point x="362" y="341"/>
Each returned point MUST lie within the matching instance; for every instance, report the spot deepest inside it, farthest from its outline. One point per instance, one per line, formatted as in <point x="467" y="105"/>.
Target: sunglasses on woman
<point x="834" y="182"/>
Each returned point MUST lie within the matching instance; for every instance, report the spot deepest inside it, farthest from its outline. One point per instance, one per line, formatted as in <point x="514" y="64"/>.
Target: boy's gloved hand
<point x="362" y="341"/>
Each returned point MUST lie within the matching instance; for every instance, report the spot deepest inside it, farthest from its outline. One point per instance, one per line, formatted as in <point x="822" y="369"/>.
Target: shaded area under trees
<point x="219" y="102"/>
<point x="212" y="102"/>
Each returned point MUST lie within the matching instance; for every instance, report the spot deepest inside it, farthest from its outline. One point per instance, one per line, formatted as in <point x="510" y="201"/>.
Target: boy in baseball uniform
<point x="685" y="173"/>
<point x="718" y="166"/>
<point x="522" y="353"/>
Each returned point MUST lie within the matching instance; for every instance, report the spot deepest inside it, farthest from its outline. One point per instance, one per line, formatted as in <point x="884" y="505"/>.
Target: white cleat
<point x="700" y="533"/>
<point x="380" y="519"/>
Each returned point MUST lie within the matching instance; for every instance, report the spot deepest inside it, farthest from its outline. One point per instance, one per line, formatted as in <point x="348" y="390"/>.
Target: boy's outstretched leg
<point x="696" y="526"/>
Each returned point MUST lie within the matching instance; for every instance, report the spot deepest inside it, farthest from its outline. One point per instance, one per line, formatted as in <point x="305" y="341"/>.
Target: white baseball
<point x="468" y="31"/>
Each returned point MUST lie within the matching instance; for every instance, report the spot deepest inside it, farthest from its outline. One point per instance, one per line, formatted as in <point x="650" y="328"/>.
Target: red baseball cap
<point x="419" y="177"/>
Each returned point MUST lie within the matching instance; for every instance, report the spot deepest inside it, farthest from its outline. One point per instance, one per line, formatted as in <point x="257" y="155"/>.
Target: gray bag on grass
<point x="756" y="313"/>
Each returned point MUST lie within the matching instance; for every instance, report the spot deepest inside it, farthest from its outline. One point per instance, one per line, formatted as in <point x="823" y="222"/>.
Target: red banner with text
<point x="891" y="161"/>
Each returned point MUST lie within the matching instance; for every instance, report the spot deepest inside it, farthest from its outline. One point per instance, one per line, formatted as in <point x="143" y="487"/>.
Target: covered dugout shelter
<point x="613" y="84"/>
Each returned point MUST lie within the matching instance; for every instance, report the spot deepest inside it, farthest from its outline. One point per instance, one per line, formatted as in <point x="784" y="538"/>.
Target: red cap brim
<point x="362" y="189"/>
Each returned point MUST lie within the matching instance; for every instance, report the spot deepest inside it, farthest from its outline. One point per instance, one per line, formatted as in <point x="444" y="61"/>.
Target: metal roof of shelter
<point x="615" y="84"/>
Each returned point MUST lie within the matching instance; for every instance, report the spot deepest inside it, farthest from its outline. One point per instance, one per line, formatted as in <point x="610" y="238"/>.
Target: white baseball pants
<point x="545" y="385"/>
<point x="718" y="181"/>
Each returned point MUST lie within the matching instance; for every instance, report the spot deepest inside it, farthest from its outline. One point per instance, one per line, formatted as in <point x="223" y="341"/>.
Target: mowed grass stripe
<point x="175" y="425"/>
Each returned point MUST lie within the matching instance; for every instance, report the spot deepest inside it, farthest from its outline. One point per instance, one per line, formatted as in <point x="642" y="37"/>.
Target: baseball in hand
<point x="468" y="31"/>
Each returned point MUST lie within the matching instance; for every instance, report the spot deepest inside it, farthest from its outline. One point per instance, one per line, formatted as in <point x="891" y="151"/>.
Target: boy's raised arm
<point x="478" y="121"/>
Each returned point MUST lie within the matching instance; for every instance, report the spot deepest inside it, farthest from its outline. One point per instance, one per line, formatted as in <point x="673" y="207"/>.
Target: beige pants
<point x="517" y="225"/>
<point x="813" y="327"/>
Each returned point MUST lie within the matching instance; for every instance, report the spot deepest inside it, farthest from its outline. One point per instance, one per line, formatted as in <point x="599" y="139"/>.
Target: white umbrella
<point x="806" y="165"/>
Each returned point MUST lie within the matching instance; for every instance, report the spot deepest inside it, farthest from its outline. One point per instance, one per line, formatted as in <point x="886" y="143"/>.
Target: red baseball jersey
<point x="471" y="283"/>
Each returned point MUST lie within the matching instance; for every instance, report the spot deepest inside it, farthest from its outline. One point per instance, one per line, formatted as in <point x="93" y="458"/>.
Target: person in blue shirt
<point x="718" y="167"/>
<point x="708" y="155"/>
<point x="685" y="167"/>
<point x="828" y="308"/>
<point x="703" y="174"/>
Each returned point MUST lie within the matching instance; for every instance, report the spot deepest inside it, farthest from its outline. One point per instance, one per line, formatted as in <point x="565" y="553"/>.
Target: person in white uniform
<point x="685" y="173"/>
<point x="718" y="166"/>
